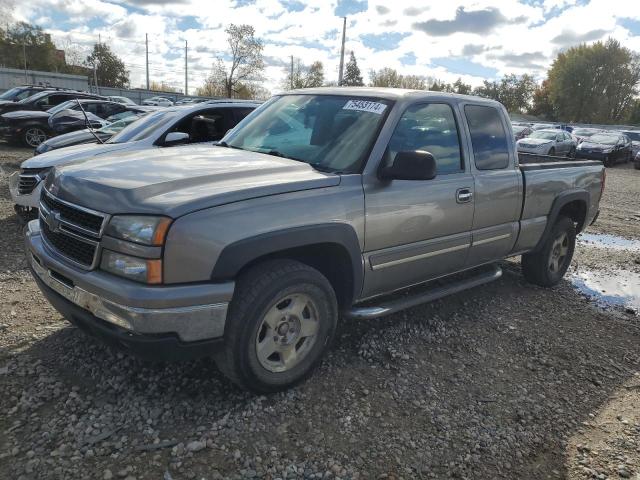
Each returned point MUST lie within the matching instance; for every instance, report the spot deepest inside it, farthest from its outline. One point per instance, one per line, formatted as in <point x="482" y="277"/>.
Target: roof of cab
<point x="387" y="93"/>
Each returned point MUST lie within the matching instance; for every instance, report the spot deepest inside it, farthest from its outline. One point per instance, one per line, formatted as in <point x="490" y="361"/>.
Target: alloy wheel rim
<point x="35" y="136"/>
<point x="559" y="251"/>
<point x="287" y="333"/>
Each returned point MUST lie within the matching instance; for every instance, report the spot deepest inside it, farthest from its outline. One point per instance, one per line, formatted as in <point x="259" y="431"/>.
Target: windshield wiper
<point x="226" y="145"/>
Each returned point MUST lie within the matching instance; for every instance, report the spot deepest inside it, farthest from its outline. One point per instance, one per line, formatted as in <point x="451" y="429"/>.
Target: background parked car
<point x="548" y="142"/>
<point x="45" y="100"/>
<point x="85" y="136"/>
<point x="97" y="111"/>
<point x="158" y="101"/>
<point x="16" y="94"/>
<point x="634" y="136"/>
<point x="583" y="133"/>
<point x="123" y="100"/>
<point x="521" y="131"/>
<point x="610" y="148"/>
<point x="32" y="127"/>
<point x="203" y="122"/>
<point x="636" y="161"/>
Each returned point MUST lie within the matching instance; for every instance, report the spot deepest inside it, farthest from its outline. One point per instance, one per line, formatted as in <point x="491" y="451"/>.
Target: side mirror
<point x="175" y="138"/>
<point x="410" y="165"/>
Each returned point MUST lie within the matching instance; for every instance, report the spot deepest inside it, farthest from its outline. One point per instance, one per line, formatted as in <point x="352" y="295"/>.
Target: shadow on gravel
<point x="11" y="244"/>
<point x="489" y="384"/>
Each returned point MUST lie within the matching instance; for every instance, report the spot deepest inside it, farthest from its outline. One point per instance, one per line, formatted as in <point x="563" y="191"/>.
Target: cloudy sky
<point x="474" y="40"/>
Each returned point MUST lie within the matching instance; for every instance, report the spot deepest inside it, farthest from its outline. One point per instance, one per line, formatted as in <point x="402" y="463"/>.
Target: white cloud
<point x="519" y="38"/>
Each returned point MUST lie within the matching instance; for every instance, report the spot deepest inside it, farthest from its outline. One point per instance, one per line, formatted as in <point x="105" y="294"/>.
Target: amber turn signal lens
<point x="161" y="231"/>
<point x="154" y="271"/>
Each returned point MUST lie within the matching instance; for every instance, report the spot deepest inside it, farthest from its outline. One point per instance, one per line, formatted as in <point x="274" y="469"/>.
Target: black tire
<point x="552" y="151"/>
<point x="572" y="153"/>
<point x="607" y="162"/>
<point x="537" y="267"/>
<point x="258" y="292"/>
<point x="636" y="165"/>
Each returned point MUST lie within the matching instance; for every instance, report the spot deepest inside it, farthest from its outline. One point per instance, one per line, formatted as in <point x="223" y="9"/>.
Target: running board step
<point x="377" y="311"/>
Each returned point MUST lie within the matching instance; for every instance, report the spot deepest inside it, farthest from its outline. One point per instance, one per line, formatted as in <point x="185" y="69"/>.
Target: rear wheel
<point x="547" y="266"/>
<point x="33" y="136"/>
<point x="572" y="153"/>
<point x="281" y="320"/>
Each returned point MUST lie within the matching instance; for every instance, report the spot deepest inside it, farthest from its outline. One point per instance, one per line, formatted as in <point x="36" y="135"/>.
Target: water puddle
<point x="603" y="240"/>
<point x="617" y="288"/>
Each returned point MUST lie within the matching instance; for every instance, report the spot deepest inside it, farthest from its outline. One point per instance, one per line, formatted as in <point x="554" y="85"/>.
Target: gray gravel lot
<point x="506" y="380"/>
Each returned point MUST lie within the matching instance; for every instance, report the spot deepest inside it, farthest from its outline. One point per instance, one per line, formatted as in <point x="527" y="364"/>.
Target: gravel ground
<point x="507" y="380"/>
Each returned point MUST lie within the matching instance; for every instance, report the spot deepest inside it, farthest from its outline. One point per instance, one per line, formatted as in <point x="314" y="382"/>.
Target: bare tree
<point x="246" y="64"/>
<point x="303" y="76"/>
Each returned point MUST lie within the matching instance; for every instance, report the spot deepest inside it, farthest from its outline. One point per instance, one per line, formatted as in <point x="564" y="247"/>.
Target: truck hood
<point x="22" y="114"/>
<point x="179" y="180"/>
<point x="72" y="154"/>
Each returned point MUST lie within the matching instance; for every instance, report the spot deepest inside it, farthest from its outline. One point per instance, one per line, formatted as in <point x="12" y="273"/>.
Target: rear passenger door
<point x="497" y="185"/>
<point x="417" y="230"/>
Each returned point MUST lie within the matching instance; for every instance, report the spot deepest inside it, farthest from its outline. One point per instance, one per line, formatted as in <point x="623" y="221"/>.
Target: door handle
<point x="464" y="195"/>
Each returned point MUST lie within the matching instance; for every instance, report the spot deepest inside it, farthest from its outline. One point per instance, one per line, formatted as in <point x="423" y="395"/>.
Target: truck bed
<point x="544" y="178"/>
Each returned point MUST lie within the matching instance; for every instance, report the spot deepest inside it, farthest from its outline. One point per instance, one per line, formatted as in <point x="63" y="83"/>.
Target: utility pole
<point x="291" y="75"/>
<point x="24" y="54"/>
<point x="95" y="77"/>
<point x="146" y="42"/>
<point x="344" y="30"/>
<point x="186" y="82"/>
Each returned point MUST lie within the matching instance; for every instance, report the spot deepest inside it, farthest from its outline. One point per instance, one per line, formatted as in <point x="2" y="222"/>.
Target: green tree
<point x="460" y="87"/>
<point x="514" y="92"/>
<point x="542" y="105"/>
<point x="352" y="76"/>
<point x="246" y="62"/>
<point x="23" y="43"/>
<point x="110" y="70"/>
<point x="303" y="76"/>
<point x="594" y="83"/>
<point x="634" y="114"/>
<point x="389" y="77"/>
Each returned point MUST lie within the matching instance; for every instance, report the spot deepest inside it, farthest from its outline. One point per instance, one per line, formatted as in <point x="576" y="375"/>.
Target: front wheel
<point x="33" y="136"/>
<point x="552" y="151"/>
<point x="572" y="153"/>
<point x="280" y="322"/>
<point x="548" y="264"/>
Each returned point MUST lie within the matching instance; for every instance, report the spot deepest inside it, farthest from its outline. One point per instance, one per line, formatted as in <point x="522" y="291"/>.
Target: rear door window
<point x="488" y="137"/>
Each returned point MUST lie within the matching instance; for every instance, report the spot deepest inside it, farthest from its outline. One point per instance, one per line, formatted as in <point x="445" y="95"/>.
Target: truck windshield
<point x="330" y="132"/>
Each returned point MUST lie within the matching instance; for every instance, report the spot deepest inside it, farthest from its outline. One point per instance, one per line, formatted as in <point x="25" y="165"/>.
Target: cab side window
<point x="432" y="128"/>
<point x="488" y="137"/>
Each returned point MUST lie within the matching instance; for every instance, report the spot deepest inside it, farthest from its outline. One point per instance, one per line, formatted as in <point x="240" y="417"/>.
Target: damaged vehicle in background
<point x="203" y="122"/>
<point x="16" y="94"/>
<point x="86" y="136"/>
<point x="96" y="114"/>
<point x="521" y="131"/>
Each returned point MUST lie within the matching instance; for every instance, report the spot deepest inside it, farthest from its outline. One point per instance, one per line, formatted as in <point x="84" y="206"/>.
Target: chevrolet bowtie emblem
<point x="54" y="221"/>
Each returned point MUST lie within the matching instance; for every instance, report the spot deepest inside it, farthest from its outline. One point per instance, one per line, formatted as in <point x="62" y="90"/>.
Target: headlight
<point x="134" y="268"/>
<point x="143" y="229"/>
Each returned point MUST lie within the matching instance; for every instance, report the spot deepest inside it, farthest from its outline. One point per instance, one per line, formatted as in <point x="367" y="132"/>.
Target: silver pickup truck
<point x="318" y="206"/>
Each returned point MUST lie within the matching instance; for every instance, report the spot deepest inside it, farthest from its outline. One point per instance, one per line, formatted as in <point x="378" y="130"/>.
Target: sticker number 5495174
<point x="365" y="106"/>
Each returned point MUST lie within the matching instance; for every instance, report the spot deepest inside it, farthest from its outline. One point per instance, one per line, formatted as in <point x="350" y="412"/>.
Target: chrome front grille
<point x="29" y="178"/>
<point x="72" y="231"/>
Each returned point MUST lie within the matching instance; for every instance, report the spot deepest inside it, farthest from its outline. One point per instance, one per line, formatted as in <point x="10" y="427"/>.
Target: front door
<point x="417" y="230"/>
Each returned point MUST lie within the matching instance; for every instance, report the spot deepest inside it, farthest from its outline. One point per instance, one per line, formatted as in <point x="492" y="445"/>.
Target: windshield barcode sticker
<point x="365" y="106"/>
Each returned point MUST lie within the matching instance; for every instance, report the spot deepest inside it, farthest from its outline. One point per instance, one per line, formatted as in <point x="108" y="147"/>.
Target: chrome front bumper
<point x="192" y="322"/>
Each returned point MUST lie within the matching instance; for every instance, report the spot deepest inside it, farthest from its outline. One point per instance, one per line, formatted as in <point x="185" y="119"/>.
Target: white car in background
<point x="122" y="100"/>
<point x="548" y="142"/>
<point x="203" y="122"/>
<point x="158" y="102"/>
